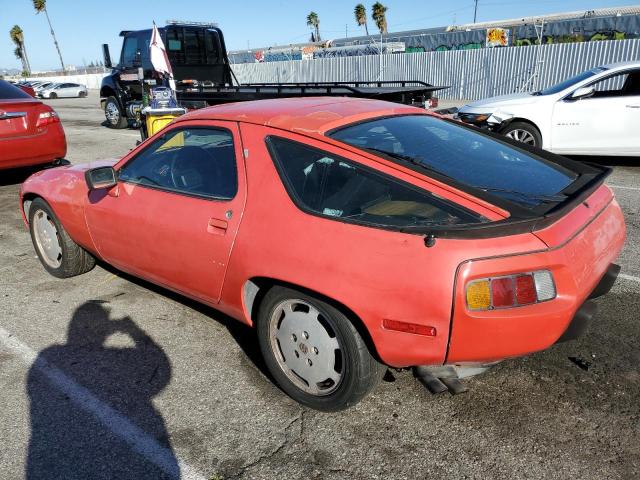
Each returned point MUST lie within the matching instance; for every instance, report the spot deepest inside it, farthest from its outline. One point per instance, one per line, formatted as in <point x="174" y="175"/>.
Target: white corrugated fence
<point x="470" y="74"/>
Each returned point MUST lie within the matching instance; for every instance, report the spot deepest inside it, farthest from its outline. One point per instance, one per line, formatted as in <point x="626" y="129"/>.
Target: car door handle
<point x="217" y="226"/>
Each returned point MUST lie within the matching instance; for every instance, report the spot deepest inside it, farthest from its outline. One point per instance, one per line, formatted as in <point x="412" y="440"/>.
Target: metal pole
<point x="475" y="12"/>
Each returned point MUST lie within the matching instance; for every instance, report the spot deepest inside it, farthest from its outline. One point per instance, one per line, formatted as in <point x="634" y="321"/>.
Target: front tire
<point x="82" y="94"/>
<point x="523" y="132"/>
<point x="58" y="253"/>
<point x="113" y="114"/>
<point x="53" y="95"/>
<point x="314" y="352"/>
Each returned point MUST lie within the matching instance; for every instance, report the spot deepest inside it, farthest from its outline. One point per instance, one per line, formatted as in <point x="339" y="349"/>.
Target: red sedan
<point x="351" y="233"/>
<point x="30" y="131"/>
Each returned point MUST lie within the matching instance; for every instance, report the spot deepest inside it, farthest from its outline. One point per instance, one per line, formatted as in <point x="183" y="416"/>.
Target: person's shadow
<point x="91" y="407"/>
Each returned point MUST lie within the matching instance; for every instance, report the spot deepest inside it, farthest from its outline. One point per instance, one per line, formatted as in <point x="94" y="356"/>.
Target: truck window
<point x="189" y="46"/>
<point x="129" y="51"/>
<point x="144" y="40"/>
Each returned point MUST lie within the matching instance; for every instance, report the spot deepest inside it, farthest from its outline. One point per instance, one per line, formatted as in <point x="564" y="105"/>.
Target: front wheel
<point x="115" y="118"/>
<point x="53" y="95"/>
<point x="58" y="253"/>
<point x="314" y="352"/>
<point x="82" y="94"/>
<point x="524" y="133"/>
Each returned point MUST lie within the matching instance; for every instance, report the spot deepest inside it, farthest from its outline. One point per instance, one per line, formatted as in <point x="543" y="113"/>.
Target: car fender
<point x="65" y="190"/>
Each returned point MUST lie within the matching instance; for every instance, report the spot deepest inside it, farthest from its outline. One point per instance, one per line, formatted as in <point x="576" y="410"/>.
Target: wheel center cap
<point x="303" y="348"/>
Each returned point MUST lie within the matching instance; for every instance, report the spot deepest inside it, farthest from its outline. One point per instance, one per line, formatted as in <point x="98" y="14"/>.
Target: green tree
<point x="314" y="22"/>
<point x="378" y="13"/>
<point x="17" y="36"/>
<point x="41" y="6"/>
<point x="361" y="17"/>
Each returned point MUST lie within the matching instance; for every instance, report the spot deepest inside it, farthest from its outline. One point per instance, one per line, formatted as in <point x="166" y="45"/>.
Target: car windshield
<point x="467" y="157"/>
<point x="570" y="81"/>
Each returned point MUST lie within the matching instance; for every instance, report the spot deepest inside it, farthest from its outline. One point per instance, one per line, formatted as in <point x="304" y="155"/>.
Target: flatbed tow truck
<point x="204" y="77"/>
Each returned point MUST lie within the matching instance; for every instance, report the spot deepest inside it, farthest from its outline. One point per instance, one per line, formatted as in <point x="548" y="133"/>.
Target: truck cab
<point x="197" y="53"/>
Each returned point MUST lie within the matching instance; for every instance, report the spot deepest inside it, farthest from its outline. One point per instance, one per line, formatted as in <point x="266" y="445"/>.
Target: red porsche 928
<point x="353" y="234"/>
<point x="30" y="131"/>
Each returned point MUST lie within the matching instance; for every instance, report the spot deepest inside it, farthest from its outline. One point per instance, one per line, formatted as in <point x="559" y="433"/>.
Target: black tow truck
<point x="203" y="75"/>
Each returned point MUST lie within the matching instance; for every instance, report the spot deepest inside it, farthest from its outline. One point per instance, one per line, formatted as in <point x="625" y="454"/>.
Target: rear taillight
<point x="511" y="290"/>
<point x="47" y="118"/>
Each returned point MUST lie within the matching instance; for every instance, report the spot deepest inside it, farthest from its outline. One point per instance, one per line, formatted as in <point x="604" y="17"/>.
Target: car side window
<point x="335" y="187"/>
<point x="624" y="84"/>
<point x="192" y="161"/>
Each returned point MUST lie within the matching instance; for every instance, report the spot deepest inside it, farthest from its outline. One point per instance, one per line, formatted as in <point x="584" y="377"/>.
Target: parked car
<point x="41" y="86"/>
<point x="63" y="90"/>
<point x="27" y="89"/>
<point x="594" y="113"/>
<point x="351" y="233"/>
<point x="30" y="131"/>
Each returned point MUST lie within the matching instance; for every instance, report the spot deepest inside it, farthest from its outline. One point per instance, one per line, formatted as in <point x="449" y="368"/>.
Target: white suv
<point x="594" y="113"/>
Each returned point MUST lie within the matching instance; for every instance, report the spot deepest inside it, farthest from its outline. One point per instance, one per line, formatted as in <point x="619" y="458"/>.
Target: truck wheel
<point x="115" y="118"/>
<point x="58" y="253"/>
<point x="314" y="352"/>
<point x="523" y="132"/>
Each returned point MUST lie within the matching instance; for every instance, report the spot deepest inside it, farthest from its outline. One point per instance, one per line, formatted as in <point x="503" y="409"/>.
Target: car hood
<point x="492" y="103"/>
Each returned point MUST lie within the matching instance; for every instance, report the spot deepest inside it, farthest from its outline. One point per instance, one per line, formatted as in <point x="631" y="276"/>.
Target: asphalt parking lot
<point x="105" y="376"/>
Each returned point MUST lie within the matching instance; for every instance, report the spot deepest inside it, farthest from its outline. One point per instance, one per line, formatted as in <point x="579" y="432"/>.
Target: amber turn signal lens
<point x="479" y="295"/>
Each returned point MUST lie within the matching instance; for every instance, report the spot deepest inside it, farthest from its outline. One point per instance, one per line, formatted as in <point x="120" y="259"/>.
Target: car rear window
<point x="329" y="185"/>
<point x="11" y="92"/>
<point x="467" y="157"/>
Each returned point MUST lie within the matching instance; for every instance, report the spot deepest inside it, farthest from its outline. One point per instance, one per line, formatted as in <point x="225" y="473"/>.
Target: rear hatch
<point x="18" y="112"/>
<point x="530" y="188"/>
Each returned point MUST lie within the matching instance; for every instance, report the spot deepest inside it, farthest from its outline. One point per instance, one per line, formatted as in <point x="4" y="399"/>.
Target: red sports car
<point x="351" y="233"/>
<point x="30" y="131"/>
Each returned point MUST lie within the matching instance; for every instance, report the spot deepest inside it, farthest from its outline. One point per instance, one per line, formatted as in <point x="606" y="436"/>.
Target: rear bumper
<point x="35" y="149"/>
<point x="582" y="268"/>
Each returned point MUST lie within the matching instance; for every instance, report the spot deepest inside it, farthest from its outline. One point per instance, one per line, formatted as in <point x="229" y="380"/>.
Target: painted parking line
<point x="140" y="441"/>
<point x="623" y="187"/>
<point x="629" y="277"/>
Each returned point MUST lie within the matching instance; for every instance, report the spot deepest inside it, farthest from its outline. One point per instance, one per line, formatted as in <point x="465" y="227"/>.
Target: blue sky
<point x="81" y="27"/>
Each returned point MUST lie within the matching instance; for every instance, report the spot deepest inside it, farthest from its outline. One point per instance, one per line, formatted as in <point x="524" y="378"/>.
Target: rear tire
<point x="58" y="253"/>
<point x="53" y="95"/>
<point x="113" y="114"/>
<point x="523" y="132"/>
<point x="314" y="352"/>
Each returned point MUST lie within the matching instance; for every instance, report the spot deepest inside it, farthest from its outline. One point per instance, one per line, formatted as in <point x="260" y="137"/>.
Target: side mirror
<point x="106" y="55"/>
<point x="101" y="177"/>
<point x="584" y="92"/>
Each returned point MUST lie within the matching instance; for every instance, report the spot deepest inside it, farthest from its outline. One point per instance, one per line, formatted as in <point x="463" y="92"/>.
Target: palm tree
<point x="41" y="6"/>
<point x="361" y="17"/>
<point x="17" y="36"/>
<point x="314" y="22"/>
<point x="379" y="16"/>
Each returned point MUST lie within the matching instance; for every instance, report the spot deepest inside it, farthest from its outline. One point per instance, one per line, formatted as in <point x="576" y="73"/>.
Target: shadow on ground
<point x="14" y="176"/>
<point x="84" y="390"/>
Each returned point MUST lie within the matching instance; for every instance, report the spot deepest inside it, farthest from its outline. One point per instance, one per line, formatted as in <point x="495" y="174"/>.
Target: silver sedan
<point x="64" y="90"/>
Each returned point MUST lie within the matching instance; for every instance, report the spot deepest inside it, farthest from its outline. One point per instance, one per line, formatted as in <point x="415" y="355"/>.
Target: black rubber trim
<point x="606" y="282"/>
<point x="580" y="321"/>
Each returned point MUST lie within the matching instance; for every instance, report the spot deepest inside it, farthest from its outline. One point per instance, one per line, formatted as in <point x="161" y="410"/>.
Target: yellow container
<point x="157" y="119"/>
